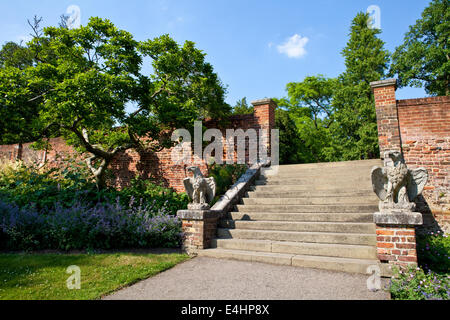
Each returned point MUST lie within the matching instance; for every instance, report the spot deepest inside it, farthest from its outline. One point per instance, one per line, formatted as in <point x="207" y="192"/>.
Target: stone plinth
<point x="396" y="237"/>
<point x="199" y="228"/>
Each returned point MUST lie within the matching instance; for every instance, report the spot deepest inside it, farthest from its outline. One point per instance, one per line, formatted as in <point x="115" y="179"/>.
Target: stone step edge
<point x="302" y="232"/>
<point x="304" y="222"/>
<point x="330" y="245"/>
<point x="356" y="251"/>
<point x="287" y="259"/>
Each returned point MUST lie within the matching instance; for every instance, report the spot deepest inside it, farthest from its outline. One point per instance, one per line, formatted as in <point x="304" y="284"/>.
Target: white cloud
<point x="294" y="47"/>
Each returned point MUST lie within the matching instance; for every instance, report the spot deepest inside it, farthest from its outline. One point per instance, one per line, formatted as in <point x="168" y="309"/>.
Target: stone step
<point x="307" y="217"/>
<point x="302" y="248"/>
<point x="315" y="237"/>
<point x="361" y="208"/>
<point x="342" y="173"/>
<point x="319" y="262"/>
<point x="310" y="194"/>
<point x="329" y="165"/>
<point x="312" y="200"/>
<point x="325" y="188"/>
<point x="362" y="182"/>
<point x="335" y="227"/>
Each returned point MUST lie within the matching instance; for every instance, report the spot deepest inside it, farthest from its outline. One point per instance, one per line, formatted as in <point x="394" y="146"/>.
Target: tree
<point x="314" y="93"/>
<point x="424" y="57"/>
<point x="242" y="107"/>
<point x="88" y="77"/>
<point x="18" y="112"/>
<point x="15" y="55"/>
<point x="354" y="131"/>
<point x="290" y="146"/>
<point x="309" y="105"/>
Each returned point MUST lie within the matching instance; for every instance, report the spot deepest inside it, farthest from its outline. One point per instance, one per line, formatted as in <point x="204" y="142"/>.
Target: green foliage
<point x="309" y="106"/>
<point x="151" y="192"/>
<point x="415" y="284"/>
<point x="431" y="279"/>
<point x="433" y="252"/>
<point x="336" y="118"/>
<point x="16" y="56"/>
<point x="242" y="107"/>
<point x="18" y="115"/>
<point x="83" y="79"/>
<point x="355" y="128"/>
<point x="43" y="188"/>
<point x="292" y="148"/>
<point x="225" y="175"/>
<point x="423" y="60"/>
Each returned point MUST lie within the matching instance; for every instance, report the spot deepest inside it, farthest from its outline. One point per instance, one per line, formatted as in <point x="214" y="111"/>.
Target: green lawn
<point x="43" y="276"/>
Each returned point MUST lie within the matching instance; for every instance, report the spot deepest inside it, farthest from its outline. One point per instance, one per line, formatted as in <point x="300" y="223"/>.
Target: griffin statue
<point x="200" y="190"/>
<point x="396" y="185"/>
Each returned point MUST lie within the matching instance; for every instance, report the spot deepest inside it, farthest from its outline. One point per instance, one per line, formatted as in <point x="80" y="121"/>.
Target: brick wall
<point x="157" y="166"/>
<point x="420" y="128"/>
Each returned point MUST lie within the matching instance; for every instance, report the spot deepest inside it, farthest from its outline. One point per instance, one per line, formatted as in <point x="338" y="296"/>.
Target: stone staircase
<point x="308" y="215"/>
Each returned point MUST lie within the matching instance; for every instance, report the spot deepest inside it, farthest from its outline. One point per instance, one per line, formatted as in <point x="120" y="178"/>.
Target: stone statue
<point x="396" y="185"/>
<point x="200" y="190"/>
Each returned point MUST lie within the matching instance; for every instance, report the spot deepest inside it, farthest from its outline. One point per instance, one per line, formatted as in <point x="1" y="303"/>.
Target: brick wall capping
<point x="384" y="83"/>
<point x="400" y="218"/>
<point x="264" y="101"/>
<point x="196" y="214"/>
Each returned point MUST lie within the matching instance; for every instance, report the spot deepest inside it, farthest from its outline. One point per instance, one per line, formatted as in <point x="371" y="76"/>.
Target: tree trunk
<point x="100" y="178"/>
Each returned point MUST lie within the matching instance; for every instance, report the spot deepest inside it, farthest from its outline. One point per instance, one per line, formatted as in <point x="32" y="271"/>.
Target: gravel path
<point x="204" y="278"/>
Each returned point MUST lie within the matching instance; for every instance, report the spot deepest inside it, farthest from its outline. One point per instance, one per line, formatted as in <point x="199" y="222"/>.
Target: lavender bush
<point x="82" y="226"/>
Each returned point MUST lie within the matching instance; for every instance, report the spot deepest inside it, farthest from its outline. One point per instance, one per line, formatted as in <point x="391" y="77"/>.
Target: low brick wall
<point x="156" y="166"/>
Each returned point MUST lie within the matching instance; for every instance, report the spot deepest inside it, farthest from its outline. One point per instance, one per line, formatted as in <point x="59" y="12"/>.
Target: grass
<point x="43" y="276"/>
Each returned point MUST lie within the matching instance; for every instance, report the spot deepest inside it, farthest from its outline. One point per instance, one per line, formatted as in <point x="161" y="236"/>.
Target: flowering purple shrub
<point x="433" y="251"/>
<point x="415" y="284"/>
<point x="82" y="226"/>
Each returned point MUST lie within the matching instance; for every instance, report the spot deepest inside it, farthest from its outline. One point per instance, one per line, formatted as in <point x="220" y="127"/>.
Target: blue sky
<point x="256" y="47"/>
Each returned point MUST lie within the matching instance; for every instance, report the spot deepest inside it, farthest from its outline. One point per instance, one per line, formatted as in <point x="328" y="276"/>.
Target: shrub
<point x="225" y="176"/>
<point x="102" y="226"/>
<point x="415" y="284"/>
<point x="42" y="189"/>
<point x="158" y="195"/>
<point x="433" y="251"/>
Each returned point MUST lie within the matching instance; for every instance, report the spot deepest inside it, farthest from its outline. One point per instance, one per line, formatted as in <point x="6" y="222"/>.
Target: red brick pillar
<point x="199" y="228"/>
<point x="387" y="117"/>
<point x="396" y="245"/>
<point x="264" y="112"/>
<point x="396" y="237"/>
<point x="264" y="115"/>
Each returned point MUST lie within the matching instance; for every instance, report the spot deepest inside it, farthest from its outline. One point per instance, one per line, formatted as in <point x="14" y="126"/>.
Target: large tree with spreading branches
<point x="91" y="88"/>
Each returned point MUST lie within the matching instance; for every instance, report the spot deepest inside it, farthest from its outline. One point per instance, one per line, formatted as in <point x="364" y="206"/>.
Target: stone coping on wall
<point x="420" y="101"/>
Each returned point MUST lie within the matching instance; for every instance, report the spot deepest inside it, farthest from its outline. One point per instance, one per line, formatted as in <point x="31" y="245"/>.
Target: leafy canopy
<point x="423" y="60"/>
<point x="88" y="77"/>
